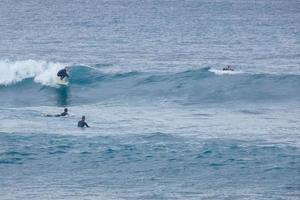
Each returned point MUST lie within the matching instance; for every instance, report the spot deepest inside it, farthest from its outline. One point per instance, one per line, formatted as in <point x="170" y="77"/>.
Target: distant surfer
<point x="65" y="113"/>
<point x="228" y="68"/>
<point x="63" y="73"/>
<point x="82" y="123"/>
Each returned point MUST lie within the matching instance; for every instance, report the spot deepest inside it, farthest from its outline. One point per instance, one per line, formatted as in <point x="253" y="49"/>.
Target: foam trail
<point x="222" y="72"/>
<point x="41" y="71"/>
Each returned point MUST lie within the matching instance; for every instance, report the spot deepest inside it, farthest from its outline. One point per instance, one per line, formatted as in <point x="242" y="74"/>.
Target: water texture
<point x="166" y="121"/>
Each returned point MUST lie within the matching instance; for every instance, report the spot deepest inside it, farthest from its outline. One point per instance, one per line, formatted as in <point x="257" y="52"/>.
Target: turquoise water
<point x="166" y="121"/>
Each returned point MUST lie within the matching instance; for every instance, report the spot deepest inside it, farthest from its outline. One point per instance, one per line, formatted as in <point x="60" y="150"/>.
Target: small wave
<point x="188" y="87"/>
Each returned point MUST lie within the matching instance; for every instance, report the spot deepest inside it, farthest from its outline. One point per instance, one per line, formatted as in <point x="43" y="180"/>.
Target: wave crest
<point x="91" y="84"/>
<point x="42" y="72"/>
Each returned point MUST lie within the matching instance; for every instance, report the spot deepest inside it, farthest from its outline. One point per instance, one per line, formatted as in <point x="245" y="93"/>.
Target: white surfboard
<point x="64" y="82"/>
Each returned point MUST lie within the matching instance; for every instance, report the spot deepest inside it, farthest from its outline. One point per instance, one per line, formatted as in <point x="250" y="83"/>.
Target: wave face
<point x="32" y="82"/>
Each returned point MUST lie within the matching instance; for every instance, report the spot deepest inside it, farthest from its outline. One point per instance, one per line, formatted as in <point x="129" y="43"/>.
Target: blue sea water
<point x="166" y="121"/>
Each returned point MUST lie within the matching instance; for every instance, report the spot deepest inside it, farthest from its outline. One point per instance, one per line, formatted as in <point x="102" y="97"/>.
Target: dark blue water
<point x="152" y="166"/>
<point x="166" y="121"/>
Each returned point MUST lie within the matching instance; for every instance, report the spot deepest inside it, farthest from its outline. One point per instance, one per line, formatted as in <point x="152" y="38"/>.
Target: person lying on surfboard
<point x="228" y="68"/>
<point x="62" y="73"/>
<point x="65" y="113"/>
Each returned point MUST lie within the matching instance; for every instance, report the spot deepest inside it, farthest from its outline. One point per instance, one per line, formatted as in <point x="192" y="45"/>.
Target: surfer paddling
<point x="65" y="113"/>
<point x="228" y="68"/>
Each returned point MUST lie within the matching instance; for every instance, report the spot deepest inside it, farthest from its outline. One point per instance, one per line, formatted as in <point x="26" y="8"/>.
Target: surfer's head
<point x="66" y="109"/>
<point x="83" y="118"/>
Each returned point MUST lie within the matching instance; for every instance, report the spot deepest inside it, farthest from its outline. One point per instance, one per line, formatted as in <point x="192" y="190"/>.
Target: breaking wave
<point x="33" y="82"/>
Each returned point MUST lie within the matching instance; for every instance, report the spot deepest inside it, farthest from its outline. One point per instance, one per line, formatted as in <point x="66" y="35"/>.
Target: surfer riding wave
<point x="63" y="73"/>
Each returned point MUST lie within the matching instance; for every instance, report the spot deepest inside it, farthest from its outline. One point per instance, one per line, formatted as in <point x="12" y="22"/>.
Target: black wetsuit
<point x="82" y="123"/>
<point x="62" y="74"/>
<point x="63" y="114"/>
<point x="58" y="115"/>
<point x="228" y="69"/>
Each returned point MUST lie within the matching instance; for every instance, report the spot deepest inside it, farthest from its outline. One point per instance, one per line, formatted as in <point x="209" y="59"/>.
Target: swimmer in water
<point x="82" y="123"/>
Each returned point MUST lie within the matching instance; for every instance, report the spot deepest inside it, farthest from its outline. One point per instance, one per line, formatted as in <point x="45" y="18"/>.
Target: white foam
<point x="41" y="71"/>
<point x="222" y="72"/>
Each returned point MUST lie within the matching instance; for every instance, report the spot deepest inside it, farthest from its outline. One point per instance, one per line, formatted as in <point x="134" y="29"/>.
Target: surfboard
<point x="64" y="82"/>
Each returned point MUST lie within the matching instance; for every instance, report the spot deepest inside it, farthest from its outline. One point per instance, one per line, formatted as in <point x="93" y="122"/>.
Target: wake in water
<point x="221" y="72"/>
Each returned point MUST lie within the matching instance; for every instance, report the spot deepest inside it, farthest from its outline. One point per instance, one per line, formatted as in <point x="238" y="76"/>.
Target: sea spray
<point x="42" y="72"/>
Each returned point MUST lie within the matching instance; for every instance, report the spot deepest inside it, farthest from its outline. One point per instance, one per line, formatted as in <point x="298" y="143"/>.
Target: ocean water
<point x="166" y="121"/>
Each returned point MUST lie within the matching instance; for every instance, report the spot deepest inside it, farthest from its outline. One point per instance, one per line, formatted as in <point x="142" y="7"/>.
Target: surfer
<point x="62" y="73"/>
<point x="228" y="68"/>
<point x="82" y="123"/>
<point x="65" y="113"/>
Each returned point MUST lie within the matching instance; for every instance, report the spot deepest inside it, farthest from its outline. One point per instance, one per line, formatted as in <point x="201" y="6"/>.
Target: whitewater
<point x="166" y="122"/>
